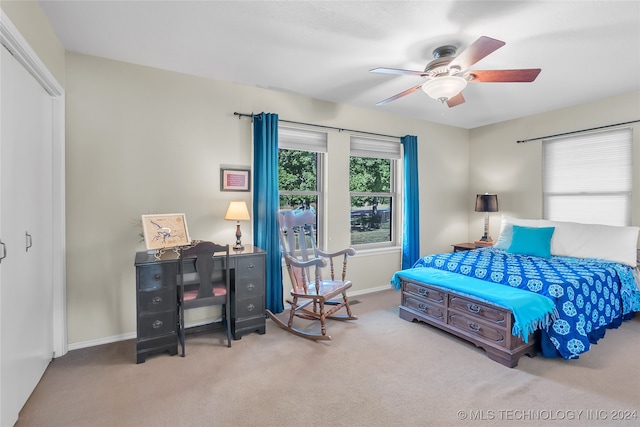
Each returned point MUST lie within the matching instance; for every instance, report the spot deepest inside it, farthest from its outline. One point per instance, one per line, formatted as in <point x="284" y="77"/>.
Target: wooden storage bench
<point x="486" y="325"/>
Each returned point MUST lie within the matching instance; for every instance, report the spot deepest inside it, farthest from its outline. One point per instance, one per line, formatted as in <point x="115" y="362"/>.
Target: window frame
<point x="378" y="148"/>
<point x="292" y="138"/>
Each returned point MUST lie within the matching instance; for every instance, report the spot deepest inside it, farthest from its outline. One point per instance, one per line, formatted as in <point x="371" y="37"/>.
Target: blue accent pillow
<point x="534" y="241"/>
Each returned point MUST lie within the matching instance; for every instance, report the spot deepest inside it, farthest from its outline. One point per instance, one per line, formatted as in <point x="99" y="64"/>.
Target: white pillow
<point x="613" y="243"/>
<point x="506" y="230"/>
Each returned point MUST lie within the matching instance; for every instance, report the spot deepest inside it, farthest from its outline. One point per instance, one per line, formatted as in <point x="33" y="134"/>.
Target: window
<point x="372" y="187"/>
<point x="587" y="178"/>
<point x="300" y="157"/>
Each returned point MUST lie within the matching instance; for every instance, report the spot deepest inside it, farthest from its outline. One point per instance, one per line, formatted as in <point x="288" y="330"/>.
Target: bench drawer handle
<point x="157" y="324"/>
<point x="474" y="307"/>
<point x="474" y="326"/>
<point x="424" y="292"/>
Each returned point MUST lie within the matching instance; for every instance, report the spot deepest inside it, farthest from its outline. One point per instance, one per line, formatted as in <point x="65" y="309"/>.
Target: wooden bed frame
<point x="486" y="325"/>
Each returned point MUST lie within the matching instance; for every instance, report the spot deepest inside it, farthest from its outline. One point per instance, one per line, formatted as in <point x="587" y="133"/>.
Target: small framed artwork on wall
<point x="235" y="179"/>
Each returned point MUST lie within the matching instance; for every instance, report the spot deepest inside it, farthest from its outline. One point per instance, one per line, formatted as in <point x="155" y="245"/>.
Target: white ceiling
<point x="587" y="50"/>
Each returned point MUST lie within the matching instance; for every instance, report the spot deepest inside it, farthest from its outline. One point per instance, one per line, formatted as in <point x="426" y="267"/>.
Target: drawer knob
<point x="475" y="308"/>
<point x="156" y="300"/>
<point x="423" y="291"/>
<point x="251" y="307"/>
<point x="251" y="286"/>
<point x="157" y="324"/>
<point x="422" y="307"/>
<point x="157" y="277"/>
<point x="250" y="266"/>
<point x="474" y="326"/>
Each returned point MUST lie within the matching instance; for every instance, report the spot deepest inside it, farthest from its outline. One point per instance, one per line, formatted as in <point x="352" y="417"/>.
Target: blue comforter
<point x="589" y="294"/>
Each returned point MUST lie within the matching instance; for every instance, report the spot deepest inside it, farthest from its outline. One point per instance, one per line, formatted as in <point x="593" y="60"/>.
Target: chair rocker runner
<point x="304" y="262"/>
<point x="211" y="287"/>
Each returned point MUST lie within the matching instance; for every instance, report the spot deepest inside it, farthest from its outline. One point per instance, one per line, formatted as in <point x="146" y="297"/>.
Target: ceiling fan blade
<point x="400" y="95"/>
<point x="382" y="70"/>
<point x="524" y="75"/>
<point x="476" y="51"/>
<point x="455" y="100"/>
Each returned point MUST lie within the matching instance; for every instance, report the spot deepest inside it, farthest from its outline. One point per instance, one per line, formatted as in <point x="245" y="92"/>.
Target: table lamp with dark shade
<point x="237" y="211"/>
<point x="486" y="203"/>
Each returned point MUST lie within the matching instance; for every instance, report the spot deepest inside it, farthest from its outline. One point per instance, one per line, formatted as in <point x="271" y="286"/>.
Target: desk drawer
<point x="247" y="326"/>
<point x="151" y="325"/>
<point x="249" y="287"/>
<point x="153" y="277"/>
<point x="164" y="299"/>
<point x="250" y="307"/>
<point x="250" y="266"/>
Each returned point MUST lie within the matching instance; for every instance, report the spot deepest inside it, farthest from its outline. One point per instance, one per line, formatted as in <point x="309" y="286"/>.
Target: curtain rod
<point x="577" y="131"/>
<point x="241" y="115"/>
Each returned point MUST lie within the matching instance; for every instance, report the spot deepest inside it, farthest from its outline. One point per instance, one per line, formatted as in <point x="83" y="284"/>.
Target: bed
<point x="545" y="287"/>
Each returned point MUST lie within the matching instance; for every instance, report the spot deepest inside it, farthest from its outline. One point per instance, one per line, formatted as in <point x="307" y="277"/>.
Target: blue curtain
<point x="265" y="203"/>
<point x="411" y="203"/>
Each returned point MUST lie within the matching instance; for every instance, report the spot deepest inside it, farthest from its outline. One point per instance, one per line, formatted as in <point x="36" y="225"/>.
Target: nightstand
<point x="458" y="247"/>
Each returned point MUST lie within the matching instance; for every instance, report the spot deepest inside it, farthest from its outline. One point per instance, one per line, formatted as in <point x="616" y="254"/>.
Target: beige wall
<point x="141" y="140"/>
<point x="32" y="23"/>
<point x="514" y="171"/>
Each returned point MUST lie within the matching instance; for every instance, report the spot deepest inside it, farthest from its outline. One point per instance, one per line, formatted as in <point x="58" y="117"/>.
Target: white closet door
<point x="25" y="228"/>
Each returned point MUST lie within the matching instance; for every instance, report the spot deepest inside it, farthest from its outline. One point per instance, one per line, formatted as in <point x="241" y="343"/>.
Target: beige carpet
<point x="377" y="371"/>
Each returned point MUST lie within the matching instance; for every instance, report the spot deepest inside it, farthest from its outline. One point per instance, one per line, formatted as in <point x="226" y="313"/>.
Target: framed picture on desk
<point x="165" y="231"/>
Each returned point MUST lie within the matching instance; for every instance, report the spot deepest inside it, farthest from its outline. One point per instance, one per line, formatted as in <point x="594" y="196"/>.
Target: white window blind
<point x="378" y="148"/>
<point x="588" y="178"/>
<point x="302" y="139"/>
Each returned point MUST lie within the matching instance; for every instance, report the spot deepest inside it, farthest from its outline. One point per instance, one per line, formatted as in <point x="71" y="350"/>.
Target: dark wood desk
<point x="156" y="281"/>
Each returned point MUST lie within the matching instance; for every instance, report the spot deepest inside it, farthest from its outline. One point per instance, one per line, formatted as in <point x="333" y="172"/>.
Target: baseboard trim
<point x="100" y="341"/>
<point x="132" y="335"/>
<point x="369" y="290"/>
<point x="129" y="336"/>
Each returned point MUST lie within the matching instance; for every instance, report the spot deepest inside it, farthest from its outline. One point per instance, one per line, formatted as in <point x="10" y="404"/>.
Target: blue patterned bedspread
<point x="588" y="293"/>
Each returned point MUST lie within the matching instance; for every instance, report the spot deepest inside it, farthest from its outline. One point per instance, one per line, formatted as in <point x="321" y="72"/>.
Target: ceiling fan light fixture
<point x="445" y="87"/>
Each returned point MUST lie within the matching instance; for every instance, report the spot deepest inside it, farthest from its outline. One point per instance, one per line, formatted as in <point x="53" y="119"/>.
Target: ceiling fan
<point x="447" y="74"/>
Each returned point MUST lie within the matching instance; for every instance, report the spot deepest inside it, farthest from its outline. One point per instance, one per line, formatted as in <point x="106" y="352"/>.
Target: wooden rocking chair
<point x="304" y="263"/>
